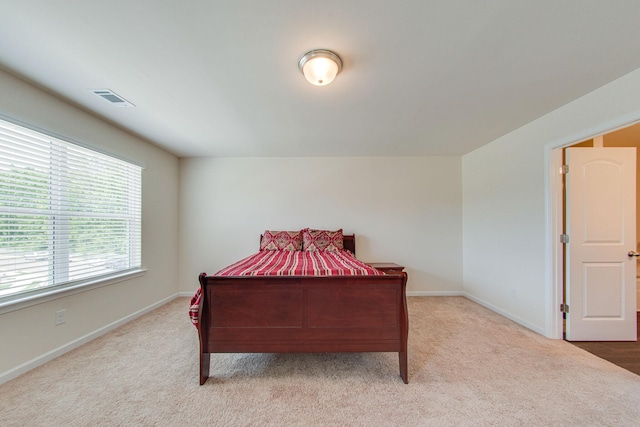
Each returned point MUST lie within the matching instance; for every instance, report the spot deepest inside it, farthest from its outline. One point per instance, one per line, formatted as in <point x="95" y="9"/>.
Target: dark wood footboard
<point x="303" y="314"/>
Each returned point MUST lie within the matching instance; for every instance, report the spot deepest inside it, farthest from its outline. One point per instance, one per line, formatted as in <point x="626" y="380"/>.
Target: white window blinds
<point x="67" y="213"/>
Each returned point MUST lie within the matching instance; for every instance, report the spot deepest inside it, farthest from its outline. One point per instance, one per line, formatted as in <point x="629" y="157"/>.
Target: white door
<point x="601" y="275"/>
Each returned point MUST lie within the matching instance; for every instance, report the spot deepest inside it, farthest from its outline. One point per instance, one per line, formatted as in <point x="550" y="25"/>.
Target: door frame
<point x="554" y="213"/>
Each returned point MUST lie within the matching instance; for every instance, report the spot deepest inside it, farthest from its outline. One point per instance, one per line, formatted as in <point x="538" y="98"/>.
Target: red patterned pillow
<point x="281" y="241"/>
<point x="322" y="240"/>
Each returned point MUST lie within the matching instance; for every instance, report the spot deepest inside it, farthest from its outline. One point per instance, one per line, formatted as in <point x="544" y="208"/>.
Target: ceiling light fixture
<point x="320" y="66"/>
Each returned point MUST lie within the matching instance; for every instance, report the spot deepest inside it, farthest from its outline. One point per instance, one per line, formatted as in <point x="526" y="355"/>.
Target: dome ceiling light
<point x="320" y="66"/>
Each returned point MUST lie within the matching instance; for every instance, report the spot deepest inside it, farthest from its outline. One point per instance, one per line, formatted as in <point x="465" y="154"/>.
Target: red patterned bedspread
<point x="299" y="263"/>
<point x="291" y="263"/>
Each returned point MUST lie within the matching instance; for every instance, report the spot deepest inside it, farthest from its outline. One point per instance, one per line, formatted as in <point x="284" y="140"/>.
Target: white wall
<point x="504" y="195"/>
<point x="412" y="211"/>
<point x="403" y="210"/>
<point x="28" y="334"/>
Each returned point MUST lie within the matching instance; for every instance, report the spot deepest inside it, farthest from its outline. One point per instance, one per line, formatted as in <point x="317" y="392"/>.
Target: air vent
<point x="112" y="97"/>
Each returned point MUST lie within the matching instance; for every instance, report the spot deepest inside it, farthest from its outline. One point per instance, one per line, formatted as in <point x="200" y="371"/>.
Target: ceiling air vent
<point x="112" y="97"/>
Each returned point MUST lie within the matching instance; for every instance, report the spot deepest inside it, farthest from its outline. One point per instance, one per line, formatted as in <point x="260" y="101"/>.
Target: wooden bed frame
<point x="303" y="314"/>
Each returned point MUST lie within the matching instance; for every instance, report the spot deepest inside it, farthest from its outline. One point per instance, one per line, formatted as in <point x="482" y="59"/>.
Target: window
<point x="68" y="215"/>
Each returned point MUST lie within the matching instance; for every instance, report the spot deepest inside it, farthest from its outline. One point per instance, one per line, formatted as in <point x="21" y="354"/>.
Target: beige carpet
<point x="467" y="366"/>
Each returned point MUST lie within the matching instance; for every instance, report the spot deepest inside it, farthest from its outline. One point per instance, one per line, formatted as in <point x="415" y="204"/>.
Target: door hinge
<point x="564" y="308"/>
<point x="564" y="169"/>
<point x="564" y="238"/>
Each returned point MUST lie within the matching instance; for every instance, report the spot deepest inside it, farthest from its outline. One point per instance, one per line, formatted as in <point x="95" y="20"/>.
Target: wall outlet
<point x="60" y="317"/>
<point x="512" y="293"/>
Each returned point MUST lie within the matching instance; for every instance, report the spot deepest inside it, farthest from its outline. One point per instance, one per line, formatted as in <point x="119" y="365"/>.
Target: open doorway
<point x="624" y="354"/>
<point x="555" y="211"/>
<point x="626" y="137"/>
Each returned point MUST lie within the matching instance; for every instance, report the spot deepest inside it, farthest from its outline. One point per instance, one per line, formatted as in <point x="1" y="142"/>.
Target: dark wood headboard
<point x="349" y="242"/>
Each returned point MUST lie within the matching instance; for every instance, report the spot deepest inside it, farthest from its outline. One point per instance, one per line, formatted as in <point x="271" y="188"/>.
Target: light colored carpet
<point x="467" y="366"/>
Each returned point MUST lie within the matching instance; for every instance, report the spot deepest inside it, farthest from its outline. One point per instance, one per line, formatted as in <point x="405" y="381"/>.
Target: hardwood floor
<point x="624" y="354"/>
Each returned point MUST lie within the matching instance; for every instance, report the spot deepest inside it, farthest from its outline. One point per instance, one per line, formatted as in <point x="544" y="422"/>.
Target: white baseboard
<point x="41" y="360"/>
<point x="483" y="303"/>
<point x="435" y="293"/>
<point x="506" y="314"/>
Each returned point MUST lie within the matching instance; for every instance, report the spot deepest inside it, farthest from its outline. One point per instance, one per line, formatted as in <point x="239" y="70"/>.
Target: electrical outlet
<point x="512" y="293"/>
<point x="60" y="317"/>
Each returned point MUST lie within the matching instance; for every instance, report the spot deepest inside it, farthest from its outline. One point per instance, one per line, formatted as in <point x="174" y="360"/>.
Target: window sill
<point x="19" y="302"/>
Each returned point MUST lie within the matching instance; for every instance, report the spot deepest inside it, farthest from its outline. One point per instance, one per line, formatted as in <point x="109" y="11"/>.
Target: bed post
<point x="404" y="331"/>
<point x="203" y="327"/>
<point x="205" y="359"/>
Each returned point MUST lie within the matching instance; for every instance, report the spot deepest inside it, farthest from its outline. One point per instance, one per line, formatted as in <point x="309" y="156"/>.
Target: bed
<point x="301" y="311"/>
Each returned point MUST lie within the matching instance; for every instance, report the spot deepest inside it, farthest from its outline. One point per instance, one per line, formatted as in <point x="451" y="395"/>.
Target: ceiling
<point x="420" y="78"/>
